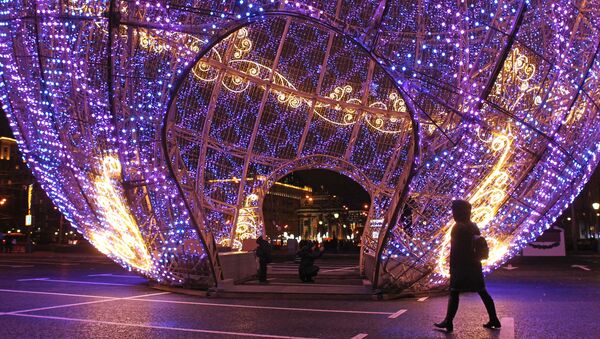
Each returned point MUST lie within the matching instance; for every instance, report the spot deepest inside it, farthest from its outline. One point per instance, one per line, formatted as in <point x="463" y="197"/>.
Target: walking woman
<point x="466" y="274"/>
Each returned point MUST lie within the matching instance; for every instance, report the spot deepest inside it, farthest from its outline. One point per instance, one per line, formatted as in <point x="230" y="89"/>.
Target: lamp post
<point x="596" y="207"/>
<point x="28" y="217"/>
<point x="574" y="227"/>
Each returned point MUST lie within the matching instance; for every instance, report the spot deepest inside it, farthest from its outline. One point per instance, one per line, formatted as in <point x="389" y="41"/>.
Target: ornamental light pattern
<point x="158" y="127"/>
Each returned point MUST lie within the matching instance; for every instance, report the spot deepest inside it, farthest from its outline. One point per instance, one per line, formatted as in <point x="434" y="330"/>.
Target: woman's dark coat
<point x="465" y="269"/>
<point x="263" y="251"/>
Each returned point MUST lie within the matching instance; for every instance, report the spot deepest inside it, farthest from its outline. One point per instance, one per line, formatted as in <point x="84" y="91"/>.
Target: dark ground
<point x="74" y="296"/>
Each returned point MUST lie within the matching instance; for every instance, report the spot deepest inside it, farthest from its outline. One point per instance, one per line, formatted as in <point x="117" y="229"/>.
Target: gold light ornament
<point x="120" y="236"/>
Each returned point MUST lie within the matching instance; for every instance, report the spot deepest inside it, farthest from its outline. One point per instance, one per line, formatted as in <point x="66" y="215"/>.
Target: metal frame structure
<point x="158" y="127"/>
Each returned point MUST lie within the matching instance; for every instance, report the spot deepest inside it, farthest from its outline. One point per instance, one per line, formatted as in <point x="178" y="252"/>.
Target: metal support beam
<point x="504" y="53"/>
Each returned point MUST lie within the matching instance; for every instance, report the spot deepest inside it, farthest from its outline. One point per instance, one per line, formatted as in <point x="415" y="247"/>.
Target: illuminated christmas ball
<point x="157" y="128"/>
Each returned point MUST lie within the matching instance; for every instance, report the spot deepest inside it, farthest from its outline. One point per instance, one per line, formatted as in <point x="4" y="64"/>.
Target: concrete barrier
<point x="368" y="266"/>
<point x="550" y="244"/>
<point x="238" y="266"/>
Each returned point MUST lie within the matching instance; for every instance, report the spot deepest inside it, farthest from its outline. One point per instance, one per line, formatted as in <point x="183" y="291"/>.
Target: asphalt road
<point x="89" y="297"/>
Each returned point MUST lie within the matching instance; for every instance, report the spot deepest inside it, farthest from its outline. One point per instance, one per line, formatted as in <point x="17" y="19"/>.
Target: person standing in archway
<point x="466" y="274"/>
<point x="263" y="253"/>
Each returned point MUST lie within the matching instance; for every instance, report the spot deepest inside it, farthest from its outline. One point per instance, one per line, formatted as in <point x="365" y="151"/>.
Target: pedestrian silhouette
<point x="10" y="244"/>
<point x="466" y="274"/>
<point x="308" y="254"/>
<point x="263" y="253"/>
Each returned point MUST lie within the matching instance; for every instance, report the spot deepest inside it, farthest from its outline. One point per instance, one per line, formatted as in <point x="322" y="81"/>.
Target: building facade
<point x="15" y="188"/>
<point x="325" y="216"/>
<point x="280" y="209"/>
<point x="25" y="209"/>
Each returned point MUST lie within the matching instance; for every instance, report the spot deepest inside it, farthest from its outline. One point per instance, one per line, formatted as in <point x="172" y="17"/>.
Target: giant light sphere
<point x="158" y="127"/>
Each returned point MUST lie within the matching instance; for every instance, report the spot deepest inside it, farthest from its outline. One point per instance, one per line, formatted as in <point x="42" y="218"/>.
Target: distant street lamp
<point x="596" y="207"/>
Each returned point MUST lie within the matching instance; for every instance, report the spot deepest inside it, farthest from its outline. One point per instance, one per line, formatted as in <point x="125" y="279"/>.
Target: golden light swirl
<point x="120" y="236"/>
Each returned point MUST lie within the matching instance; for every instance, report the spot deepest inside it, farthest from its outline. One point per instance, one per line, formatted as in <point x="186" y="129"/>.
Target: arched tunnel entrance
<point x="316" y="213"/>
<point x="318" y="205"/>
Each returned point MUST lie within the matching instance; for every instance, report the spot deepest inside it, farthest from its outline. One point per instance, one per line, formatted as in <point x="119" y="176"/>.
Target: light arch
<point x="376" y="114"/>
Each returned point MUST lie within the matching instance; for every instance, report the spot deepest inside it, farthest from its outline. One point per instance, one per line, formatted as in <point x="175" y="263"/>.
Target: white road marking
<point x="583" y="267"/>
<point x="397" y="314"/>
<point x="76" y="282"/>
<point x="325" y="264"/>
<point x="37" y="262"/>
<point x="16" y="266"/>
<point x="295" y="266"/>
<point x="304" y="284"/>
<point x="61" y="306"/>
<point x="340" y="269"/>
<point x="360" y="336"/>
<point x="100" y="275"/>
<point x="143" y="298"/>
<point x="116" y="276"/>
<point x="32" y="279"/>
<point x="507" y="331"/>
<point x="194" y="330"/>
<point x="510" y="267"/>
<point x="55" y="293"/>
<point x="84" y="303"/>
<point x="422" y="299"/>
<point x="268" y="307"/>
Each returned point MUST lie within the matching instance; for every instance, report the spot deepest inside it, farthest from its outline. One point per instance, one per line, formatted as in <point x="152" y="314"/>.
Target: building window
<point x="5" y="154"/>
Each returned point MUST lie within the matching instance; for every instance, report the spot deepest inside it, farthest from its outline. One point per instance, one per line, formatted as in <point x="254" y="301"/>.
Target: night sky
<point x="4" y="127"/>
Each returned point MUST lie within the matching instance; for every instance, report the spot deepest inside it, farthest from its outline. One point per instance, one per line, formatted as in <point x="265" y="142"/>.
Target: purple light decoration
<point x="158" y="127"/>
